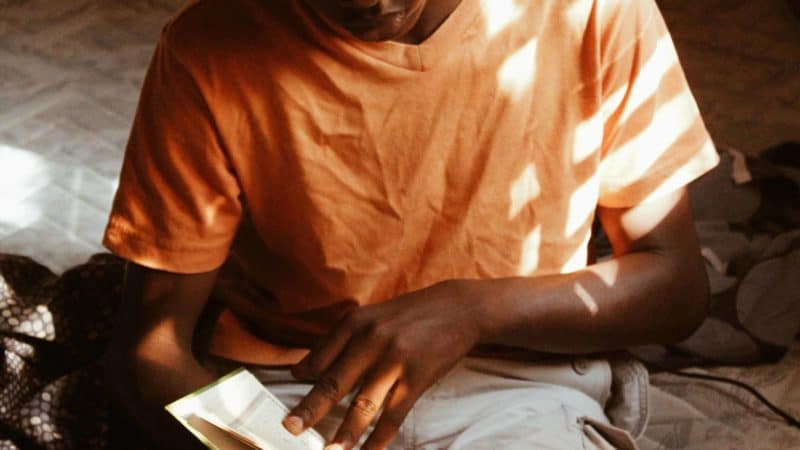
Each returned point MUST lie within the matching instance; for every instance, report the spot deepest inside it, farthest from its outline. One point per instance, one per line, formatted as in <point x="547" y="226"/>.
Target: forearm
<point x="637" y="298"/>
<point x="139" y="390"/>
<point x="150" y="361"/>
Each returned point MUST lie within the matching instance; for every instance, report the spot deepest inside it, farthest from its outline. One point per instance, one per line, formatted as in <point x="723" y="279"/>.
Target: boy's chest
<point x="359" y="178"/>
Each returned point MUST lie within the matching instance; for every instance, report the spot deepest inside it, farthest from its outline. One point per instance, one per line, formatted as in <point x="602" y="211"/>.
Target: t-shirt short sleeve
<point x="654" y="140"/>
<point x="177" y="206"/>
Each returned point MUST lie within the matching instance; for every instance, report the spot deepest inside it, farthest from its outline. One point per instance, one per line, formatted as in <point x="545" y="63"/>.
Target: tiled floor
<point x="70" y="71"/>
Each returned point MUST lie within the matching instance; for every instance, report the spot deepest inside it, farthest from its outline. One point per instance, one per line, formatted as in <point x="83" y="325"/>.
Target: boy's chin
<point x="385" y="32"/>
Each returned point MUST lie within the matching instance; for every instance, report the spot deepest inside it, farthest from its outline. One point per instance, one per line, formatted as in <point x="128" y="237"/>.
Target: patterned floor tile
<point x="47" y="241"/>
<point x="70" y="73"/>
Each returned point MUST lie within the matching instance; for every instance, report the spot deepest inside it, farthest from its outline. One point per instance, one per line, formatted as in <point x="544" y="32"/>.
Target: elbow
<point x="693" y="318"/>
<point x="693" y="306"/>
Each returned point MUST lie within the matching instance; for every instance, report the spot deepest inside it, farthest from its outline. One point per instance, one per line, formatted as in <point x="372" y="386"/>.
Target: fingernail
<point x="293" y="424"/>
<point x="341" y="445"/>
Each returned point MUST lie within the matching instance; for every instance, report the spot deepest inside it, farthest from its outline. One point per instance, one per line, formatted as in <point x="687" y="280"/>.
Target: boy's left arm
<point x="654" y="290"/>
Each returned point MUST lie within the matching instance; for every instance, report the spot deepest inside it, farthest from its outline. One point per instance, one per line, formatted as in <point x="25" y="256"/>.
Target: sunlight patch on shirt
<point x="613" y="102"/>
<point x="499" y="14"/>
<point x="582" y="204"/>
<point x="518" y="72"/>
<point x="647" y="83"/>
<point x="529" y="261"/>
<point x="670" y="122"/>
<point x="578" y="12"/>
<point x="524" y="190"/>
<point x="579" y="258"/>
<point x="587" y="139"/>
<point x="650" y="76"/>
<point x="679" y="177"/>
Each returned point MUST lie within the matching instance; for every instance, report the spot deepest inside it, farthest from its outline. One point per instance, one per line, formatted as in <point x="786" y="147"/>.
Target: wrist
<point x="478" y="300"/>
<point x="505" y="313"/>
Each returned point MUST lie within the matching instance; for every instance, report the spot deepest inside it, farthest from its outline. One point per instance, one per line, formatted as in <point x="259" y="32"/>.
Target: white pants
<point x="495" y="404"/>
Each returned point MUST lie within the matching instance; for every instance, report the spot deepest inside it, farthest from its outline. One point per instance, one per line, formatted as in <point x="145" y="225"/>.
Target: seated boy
<point x="407" y="188"/>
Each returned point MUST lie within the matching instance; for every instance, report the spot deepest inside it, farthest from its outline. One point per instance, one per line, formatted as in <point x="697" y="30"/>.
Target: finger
<point x="319" y="359"/>
<point x="332" y="386"/>
<point x="323" y="354"/>
<point x="397" y="407"/>
<point x="367" y="404"/>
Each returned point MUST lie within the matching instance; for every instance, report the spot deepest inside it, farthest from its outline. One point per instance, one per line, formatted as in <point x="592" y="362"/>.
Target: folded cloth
<point x="52" y="331"/>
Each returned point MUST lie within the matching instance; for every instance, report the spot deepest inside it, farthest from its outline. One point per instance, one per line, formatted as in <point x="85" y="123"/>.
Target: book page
<point x="240" y="405"/>
<point x="215" y="437"/>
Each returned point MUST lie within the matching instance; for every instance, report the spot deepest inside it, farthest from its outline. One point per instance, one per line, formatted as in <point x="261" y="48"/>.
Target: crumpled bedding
<point x="693" y="414"/>
<point x="53" y="330"/>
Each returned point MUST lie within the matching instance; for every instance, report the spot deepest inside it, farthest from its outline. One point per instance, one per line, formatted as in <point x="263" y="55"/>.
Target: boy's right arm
<point x="150" y="361"/>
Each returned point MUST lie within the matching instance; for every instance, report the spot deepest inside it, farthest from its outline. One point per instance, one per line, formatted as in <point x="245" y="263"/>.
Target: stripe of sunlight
<point x="22" y="173"/>
<point x="679" y="177"/>
<point x="671" y="121"/>
<point x="586" y="298"/>
<point x="518" y="72"/>
<point x="524" y="189"/>
<point x="499" y="14"/>
<point x="529" y="261"/>
<point x="648" y="81"/>
<point x="587" y="139"/>
<point x="649" y="77"/>
<point x="578" y="259"/>
<point x="582" y="204"/>
<point x="608" y="274"/>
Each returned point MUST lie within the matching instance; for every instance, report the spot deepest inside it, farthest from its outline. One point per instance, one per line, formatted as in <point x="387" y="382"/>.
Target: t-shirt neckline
<point x="453" y="32"/>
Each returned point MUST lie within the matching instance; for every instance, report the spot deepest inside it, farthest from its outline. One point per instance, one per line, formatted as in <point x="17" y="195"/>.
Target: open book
<point x="237" y="412"/>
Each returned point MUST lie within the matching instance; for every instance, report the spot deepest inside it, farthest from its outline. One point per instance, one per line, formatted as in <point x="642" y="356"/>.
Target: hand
<point x="396" y="350"/>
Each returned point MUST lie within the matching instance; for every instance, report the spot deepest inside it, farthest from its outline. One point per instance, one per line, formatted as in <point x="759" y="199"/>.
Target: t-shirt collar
<point x="456" y="30"/>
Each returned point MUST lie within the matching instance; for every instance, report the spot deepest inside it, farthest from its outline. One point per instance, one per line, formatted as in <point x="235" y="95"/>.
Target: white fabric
<point x="492" y="404"/>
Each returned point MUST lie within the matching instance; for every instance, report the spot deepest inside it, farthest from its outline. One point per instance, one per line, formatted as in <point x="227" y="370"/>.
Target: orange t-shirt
<point x="326" y="172"/>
